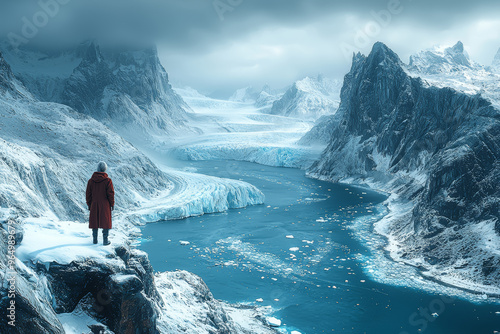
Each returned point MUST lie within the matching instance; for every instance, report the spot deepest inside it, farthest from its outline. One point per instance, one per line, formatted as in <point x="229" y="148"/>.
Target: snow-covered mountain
<point x="309" y="98"/>
<point x="44" y="73"/>
<point x="443" y="59"/>
<point x="47" y="153"/>
<point x="436" y="150"/>
<point x="451" y="67"/>
<point x="246" y="94"/>
<point x="267" y="96"/>
<point x="126" y="89"/>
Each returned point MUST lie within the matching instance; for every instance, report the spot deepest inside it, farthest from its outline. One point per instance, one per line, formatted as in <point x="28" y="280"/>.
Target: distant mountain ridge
<point x="442" y="59"/>
<point x="126" y="89"/>
<point x="309" y="98"/>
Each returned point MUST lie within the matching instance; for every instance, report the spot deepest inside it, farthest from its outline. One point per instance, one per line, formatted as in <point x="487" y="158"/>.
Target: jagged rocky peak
<point x="442" y="59"/>
<point x="381" y="52"/>
<point x="5" y="73"/>
<point x="496" y="62"/>
<point x="127" y="88"/>
<point x="92" y="54"/>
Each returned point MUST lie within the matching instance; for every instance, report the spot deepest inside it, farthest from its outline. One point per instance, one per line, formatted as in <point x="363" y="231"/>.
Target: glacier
<point x="240" y="131"/>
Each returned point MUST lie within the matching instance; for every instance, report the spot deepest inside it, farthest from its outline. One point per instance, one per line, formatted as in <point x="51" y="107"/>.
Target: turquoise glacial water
<point x="297" y="254"/>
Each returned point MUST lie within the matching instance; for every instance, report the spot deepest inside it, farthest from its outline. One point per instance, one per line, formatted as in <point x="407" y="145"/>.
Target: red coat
<point x="100" y="198"/>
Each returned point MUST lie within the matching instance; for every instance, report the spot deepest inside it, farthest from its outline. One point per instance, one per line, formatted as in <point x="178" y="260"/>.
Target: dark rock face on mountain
<point x="7" y="79"/>
<point x="126" y="89"/>
<point x="435" y="147"/>
<point x="121" y="292"/>
<point x="5" y="75"/>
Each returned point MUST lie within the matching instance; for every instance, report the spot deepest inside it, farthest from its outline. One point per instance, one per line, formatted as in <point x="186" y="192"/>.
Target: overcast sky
<point x="218" y="46"/>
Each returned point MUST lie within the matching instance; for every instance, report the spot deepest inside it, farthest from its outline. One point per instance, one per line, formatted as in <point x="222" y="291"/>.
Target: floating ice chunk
<point x="289" y="236"/>
<point x="321" y="220"/>
<point x="484" y="296"/>
<point x="293" y="249"/>
<point x="308" y="241"/>
<point x="260" y="300"/>
<point x="274" y="279"/>
<point x="435" y="315"/>
<point x="295" y="332"/>
<point x="272" y="321"/>
<point x="184" y="243"/>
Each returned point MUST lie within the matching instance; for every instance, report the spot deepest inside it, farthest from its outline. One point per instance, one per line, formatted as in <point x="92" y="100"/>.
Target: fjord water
<point x="297" y="254"/>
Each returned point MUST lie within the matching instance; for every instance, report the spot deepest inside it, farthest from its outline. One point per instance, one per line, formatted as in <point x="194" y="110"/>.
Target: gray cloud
<point x="260" y="41"/>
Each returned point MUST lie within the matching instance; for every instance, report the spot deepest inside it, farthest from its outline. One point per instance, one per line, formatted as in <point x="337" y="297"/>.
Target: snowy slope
<point x="443" y="59"/>
<point x="128" y="90"/>
<point x="436" y="151"/>
<point x="186" y="294"/>
<point x="266" y="97"/>
<point x="309" y="98"/>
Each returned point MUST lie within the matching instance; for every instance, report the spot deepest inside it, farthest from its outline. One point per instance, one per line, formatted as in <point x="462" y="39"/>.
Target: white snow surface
<point x="48" y="240"/>
<point x="450" y="66"/>
<point x="191" y="308"/>
<point x="239" y="131"/>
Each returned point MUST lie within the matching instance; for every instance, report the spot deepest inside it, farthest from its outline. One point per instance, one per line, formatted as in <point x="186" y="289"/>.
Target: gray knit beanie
<point x="102" y="167"/>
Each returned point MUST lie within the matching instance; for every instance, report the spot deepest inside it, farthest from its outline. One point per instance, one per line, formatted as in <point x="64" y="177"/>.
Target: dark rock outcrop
<point x="119" y="291"/>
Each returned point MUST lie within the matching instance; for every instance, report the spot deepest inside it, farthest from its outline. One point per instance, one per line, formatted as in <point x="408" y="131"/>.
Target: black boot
<point x="94" y="234"/>
<point x="105" y="234"/>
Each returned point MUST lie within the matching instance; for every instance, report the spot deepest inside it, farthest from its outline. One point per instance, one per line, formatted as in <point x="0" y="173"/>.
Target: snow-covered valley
<point x="240" y="131"/>
<point x="399" y="129"/>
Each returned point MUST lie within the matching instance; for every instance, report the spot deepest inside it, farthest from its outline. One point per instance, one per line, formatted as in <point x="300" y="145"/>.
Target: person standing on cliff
<point x="100" y="196"/>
